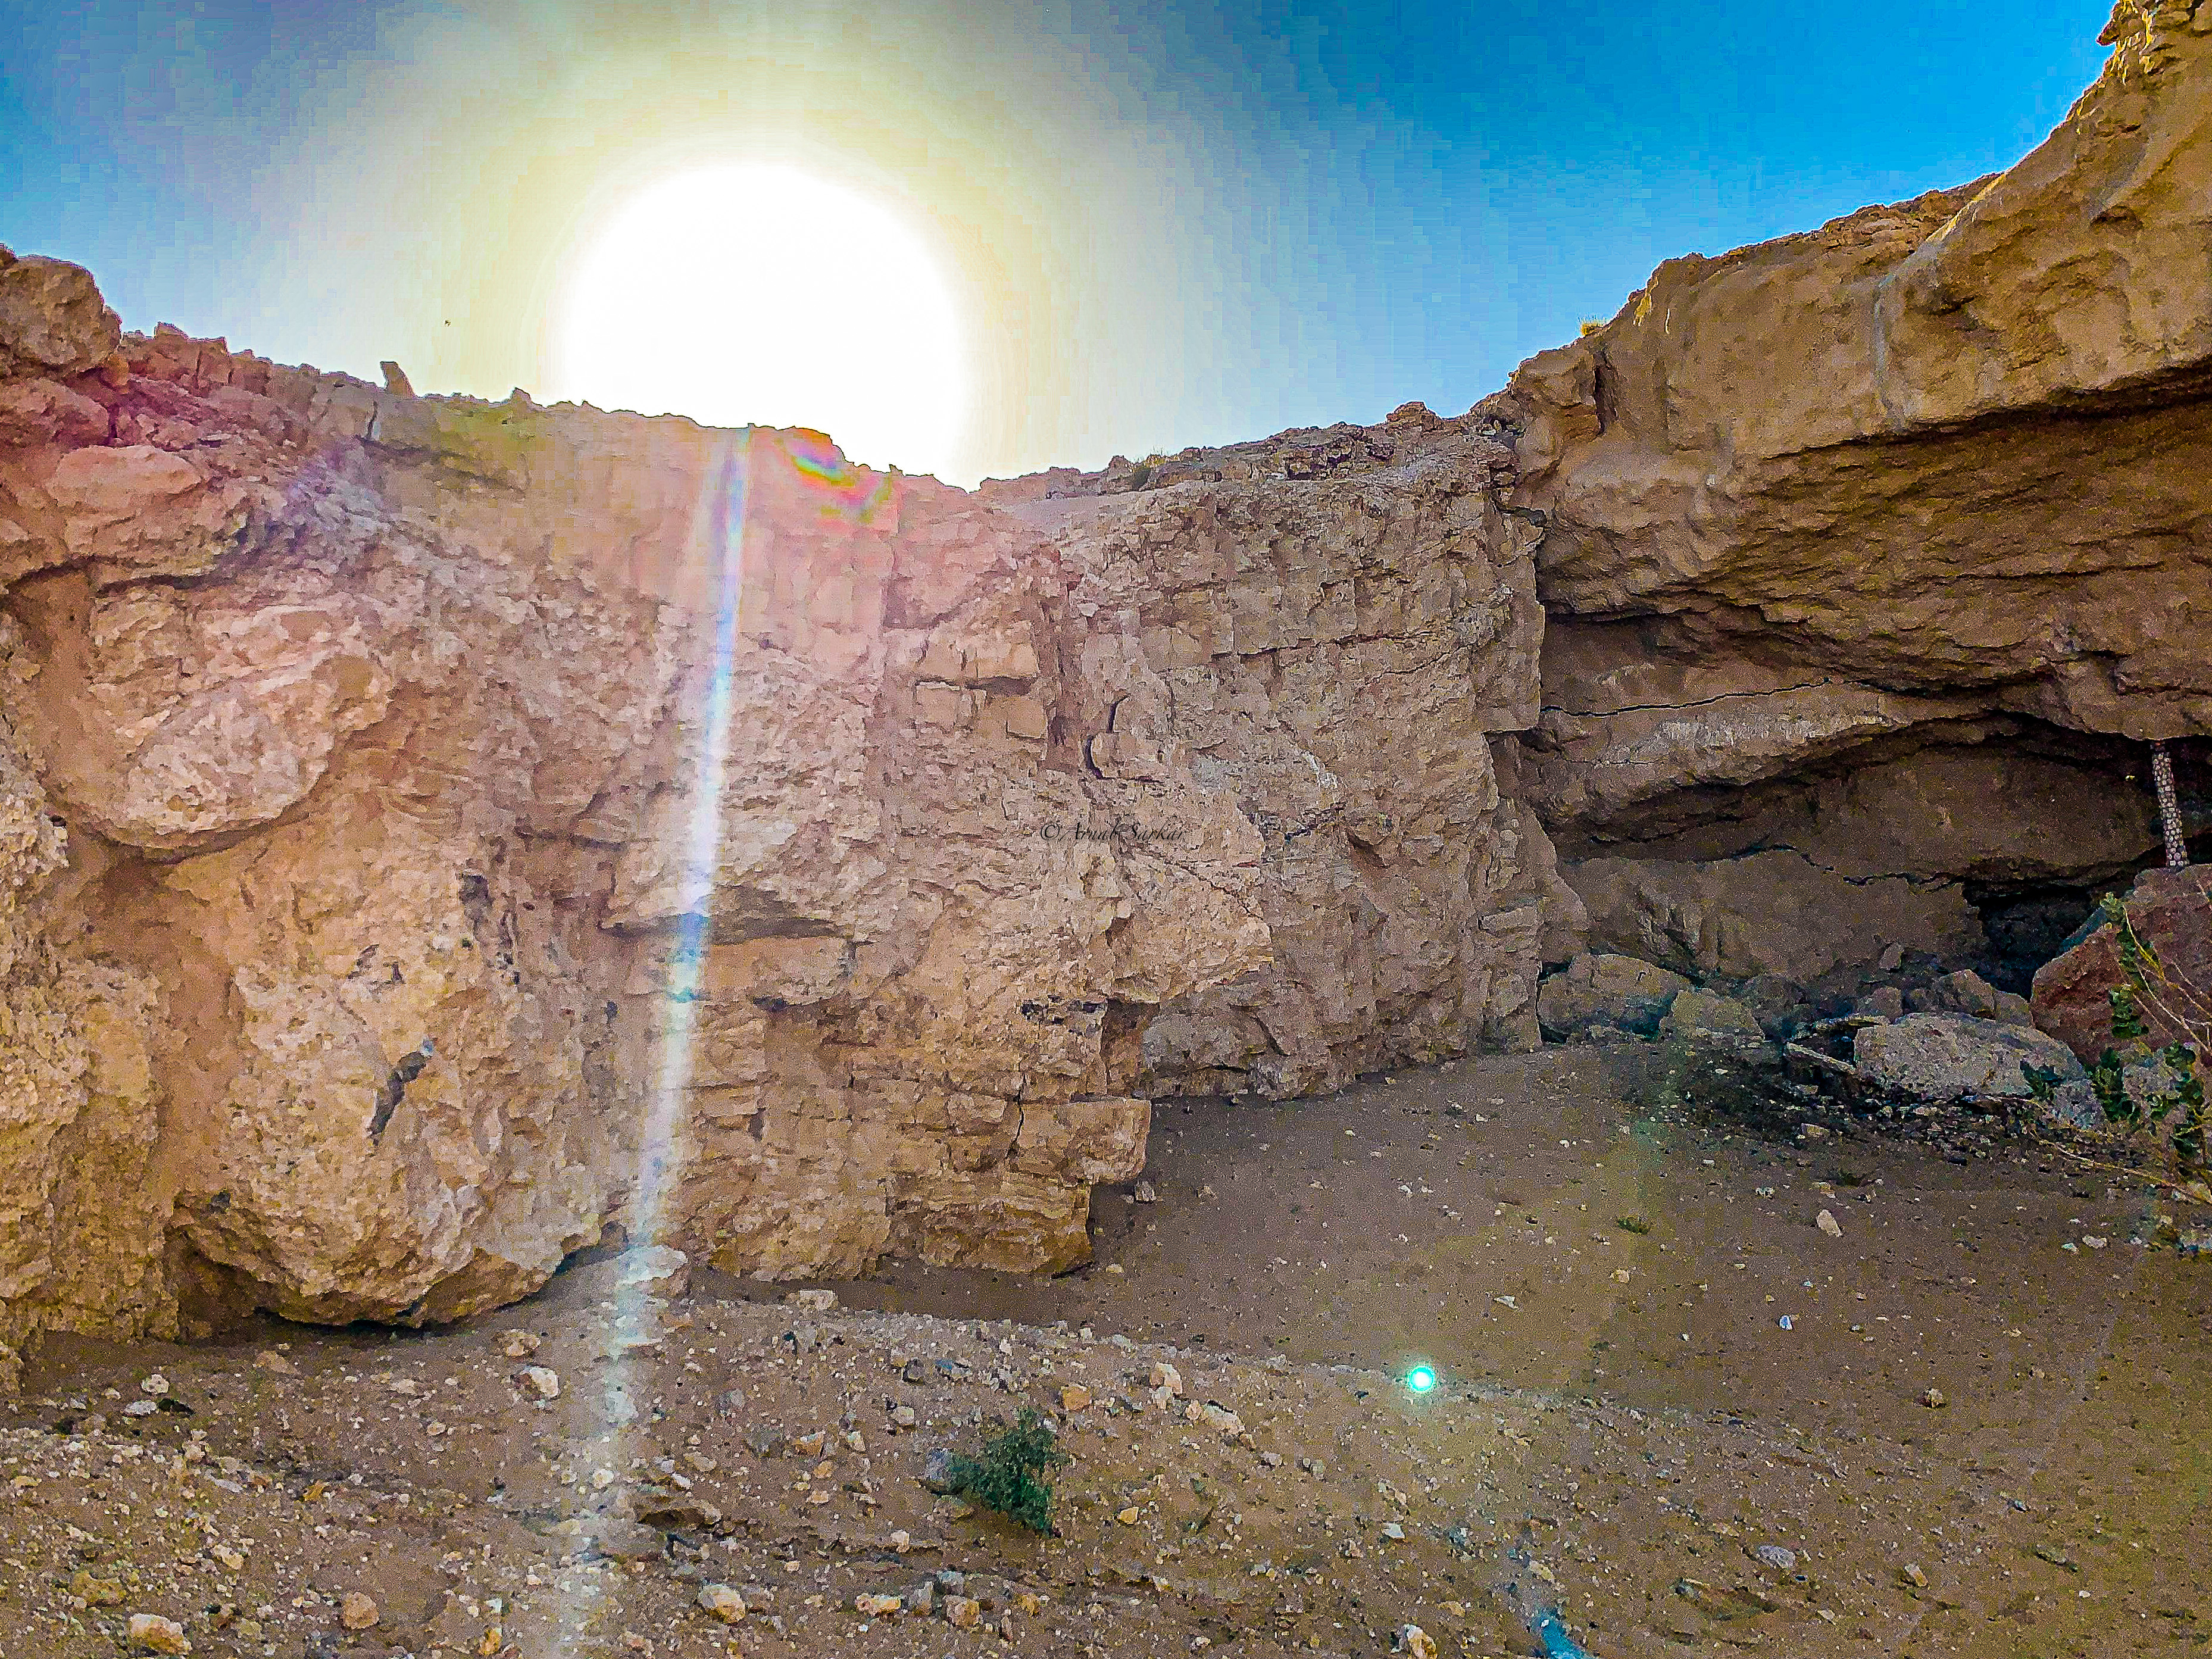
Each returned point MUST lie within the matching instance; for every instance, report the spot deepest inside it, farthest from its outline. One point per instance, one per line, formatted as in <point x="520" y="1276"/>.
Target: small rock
<point x="618" y="1540"/>
<point x="1128" y="1516"/>
<point x="2095" y="1243"/>
<point x="902" y="1416"/>
<point x="1934" y="1397"/>
<point x="1775" y="1556"/>
<point x="152" y="1634"/>
<point x="269" y="1360"/>
<point x="140" y="1409"/>
<point x="870" y="1605"/>
<point x="962" y="1612"/>
<point x="519" y="1345"/>
<point x="723" y="1602"/>
<point x="357" y="1610"/>
<point x="1886" y="1002"/>
<point x="156" y="1385"/>
<point x="1074" y="1398"/>
<point x="1911" y="1574"/>
<point x="230" y="1559"/>
<point x="1828" y="1223"/>
<point x="540" y="1381"/>
<point x="1414" y="1643"/>
<point x="937" y="1470"/>
<point x="810" y="1445"/>
<point x="820" y="1302"/>
<point x="1216" y="1417"/>
<point x="1164" y="1376"/>
<point x="1146" y="1194"/>
<point x="96" y="1592"/>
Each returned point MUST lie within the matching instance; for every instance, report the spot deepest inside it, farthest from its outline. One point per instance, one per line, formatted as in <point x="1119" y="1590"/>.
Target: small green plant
<point x="1632" y="1224"/>
<point x="1012" y="1474"/>
<point x="2177" y="1095"/>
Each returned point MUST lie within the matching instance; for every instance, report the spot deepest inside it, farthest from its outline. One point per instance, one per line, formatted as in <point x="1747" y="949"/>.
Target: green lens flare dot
<point x="1420" y="1379"/>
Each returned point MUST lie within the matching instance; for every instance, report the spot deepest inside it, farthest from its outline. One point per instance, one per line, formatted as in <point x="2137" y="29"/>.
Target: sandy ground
<point x="1624" y="1427"/>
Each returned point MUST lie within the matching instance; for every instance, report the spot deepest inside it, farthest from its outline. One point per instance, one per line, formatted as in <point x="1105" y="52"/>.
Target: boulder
<point x="1966" y="992"/>
<point x="52" y="319"/>
<point x="1592" y="990"/>
<point x="1708" y="1020"/>
<point x="2171" y="911"/>
<point x="1940" y="1058"/>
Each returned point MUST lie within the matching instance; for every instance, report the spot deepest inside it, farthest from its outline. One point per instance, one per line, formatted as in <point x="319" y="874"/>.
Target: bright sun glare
<point x="754" y="295"/>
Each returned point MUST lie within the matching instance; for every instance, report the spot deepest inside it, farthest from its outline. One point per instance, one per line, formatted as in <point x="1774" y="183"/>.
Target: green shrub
<point x="1011" y="1474"/>
<point x="2181" y="1006"/>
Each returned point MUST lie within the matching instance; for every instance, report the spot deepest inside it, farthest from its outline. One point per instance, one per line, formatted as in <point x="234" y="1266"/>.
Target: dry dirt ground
<point x="1624" y="1427"/>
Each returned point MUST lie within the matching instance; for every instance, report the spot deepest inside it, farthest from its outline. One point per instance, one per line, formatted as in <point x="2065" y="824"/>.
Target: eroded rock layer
<point x="440" y="833"/>
<point x="1874" y="555"/>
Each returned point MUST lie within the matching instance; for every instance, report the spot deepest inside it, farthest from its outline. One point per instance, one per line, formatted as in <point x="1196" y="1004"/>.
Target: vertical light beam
<point x="723" y="532"/>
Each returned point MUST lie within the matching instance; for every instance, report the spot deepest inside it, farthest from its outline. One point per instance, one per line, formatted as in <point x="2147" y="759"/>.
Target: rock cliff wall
<point x="1873" y="555"/>
<point x="441" y="833"/>
<point x="436" y="835"/>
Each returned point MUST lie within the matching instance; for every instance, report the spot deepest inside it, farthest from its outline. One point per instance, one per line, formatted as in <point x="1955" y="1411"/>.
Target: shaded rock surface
<point x="1866" y="553"/>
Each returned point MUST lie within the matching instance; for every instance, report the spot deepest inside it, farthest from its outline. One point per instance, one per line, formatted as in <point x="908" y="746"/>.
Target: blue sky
<point x="1174" y="224"/>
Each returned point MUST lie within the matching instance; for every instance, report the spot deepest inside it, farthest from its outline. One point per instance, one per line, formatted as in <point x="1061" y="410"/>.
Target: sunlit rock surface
<point x="444" y="835"/>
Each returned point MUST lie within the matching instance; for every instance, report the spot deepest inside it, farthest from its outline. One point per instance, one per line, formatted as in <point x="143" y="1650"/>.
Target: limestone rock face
<point x="436" y="837"/>
<point x="1325" y="628"/>
<point x="1875" y="544"/>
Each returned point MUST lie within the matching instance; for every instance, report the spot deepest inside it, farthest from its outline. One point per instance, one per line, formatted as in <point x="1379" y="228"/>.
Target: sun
<point x="749" y="294"/>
